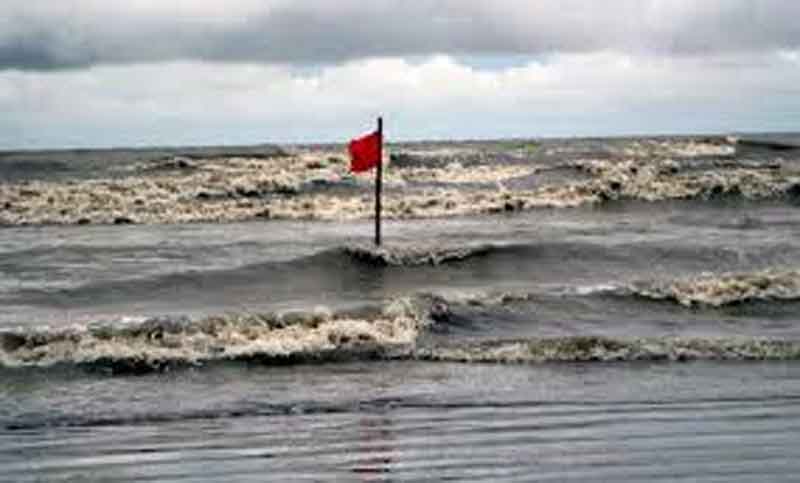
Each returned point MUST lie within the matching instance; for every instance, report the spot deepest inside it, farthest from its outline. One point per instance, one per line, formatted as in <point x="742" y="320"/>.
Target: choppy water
<point x="545" y="345"/>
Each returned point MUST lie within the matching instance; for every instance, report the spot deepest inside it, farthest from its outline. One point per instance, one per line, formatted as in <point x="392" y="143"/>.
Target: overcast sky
<point x="139" y="72"/>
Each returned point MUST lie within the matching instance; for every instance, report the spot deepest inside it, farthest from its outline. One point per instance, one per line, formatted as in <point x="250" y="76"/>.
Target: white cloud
<point x="573" y="94"/>
<point x="790" y="55"/>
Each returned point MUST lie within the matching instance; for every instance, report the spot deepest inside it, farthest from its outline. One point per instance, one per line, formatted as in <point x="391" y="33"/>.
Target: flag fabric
<point x="365" y="152"/>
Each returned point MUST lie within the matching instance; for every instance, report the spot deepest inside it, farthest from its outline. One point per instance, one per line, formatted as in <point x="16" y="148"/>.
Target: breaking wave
<point x="717" y="290"/>
<point x="407" y="328"/>
<point x="704" y="290"/>
<point x="162" y="342"/>
<point x="316" y="184"/>
<point x="608" y="349"/>
<point x="414" y="255"/>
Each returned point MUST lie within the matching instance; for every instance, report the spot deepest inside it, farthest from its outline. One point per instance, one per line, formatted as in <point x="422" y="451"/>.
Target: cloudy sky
<point x="76" y="73"/>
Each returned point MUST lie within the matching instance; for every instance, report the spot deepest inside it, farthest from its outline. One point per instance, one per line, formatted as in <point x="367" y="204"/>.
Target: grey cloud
<point x="76" y="33"/>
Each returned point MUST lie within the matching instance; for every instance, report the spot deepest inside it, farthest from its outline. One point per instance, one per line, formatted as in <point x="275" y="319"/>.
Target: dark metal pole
<point x="378" y="182"/>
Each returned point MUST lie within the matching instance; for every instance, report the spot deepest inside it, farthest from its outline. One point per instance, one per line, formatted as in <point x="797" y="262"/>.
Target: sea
<point x="629" y="340"/>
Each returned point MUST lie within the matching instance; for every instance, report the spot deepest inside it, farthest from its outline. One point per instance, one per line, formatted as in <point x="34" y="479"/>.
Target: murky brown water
<point x="620" y="341"/>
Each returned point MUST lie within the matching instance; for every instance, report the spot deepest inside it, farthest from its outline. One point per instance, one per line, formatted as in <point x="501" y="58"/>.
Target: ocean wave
<point x="703" y="290"/>
<point x="158" y="343"/>
<point x="658" y="180"/>
<point x="360" y="258"/>
<point x="607" y="349"/>
<point x="416" y="254"/>
<point x="316" y="185"/>
<point x="423" y="326"/>
<point x="690" y="148"/>
<point x="717" y="290"/>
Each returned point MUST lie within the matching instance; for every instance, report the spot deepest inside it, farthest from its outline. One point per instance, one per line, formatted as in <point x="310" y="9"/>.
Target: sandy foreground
<point x="421" y="182"/>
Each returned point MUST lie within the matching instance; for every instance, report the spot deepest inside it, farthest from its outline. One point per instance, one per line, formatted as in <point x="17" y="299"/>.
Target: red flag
<point x="365" y="152"/>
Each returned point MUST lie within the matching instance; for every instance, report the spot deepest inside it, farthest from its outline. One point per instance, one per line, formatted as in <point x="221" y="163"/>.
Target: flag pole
<point x="378" y="182"/>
